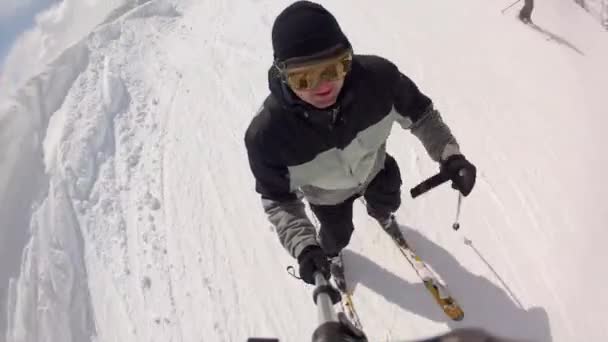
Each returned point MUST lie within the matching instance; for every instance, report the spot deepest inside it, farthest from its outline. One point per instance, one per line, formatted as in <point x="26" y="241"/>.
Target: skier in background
<point x="321" y="136"/>
<point x="525" y="14"/>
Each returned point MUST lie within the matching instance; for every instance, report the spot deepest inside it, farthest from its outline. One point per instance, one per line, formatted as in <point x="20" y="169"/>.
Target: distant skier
<point x="525" y="14"/>
<point x="321" y="134"/>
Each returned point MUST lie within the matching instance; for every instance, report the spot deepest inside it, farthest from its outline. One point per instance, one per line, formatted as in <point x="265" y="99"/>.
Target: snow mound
<point x="79" y="107"/>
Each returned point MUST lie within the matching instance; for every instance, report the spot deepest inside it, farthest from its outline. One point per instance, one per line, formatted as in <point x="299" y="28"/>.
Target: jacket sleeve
<point x="284" y="209"/>
<point x="419" y="116"/>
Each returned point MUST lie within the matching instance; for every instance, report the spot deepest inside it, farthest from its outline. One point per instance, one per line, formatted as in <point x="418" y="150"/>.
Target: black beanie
<point x="303" y="29"/>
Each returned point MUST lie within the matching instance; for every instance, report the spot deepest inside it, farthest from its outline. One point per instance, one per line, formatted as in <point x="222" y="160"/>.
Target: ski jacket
<point x="326" y="156"/>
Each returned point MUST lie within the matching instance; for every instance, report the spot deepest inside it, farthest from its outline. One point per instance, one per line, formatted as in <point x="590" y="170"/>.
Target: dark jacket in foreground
<point x="332" y="154"/>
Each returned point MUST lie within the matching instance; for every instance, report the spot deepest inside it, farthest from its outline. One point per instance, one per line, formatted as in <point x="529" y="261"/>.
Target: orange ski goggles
<point x="306" y="76"/>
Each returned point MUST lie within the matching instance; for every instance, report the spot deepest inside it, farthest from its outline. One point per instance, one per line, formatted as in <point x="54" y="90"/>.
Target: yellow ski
<point x="439" y="291"/>
<point x="347" y="304"/>
<point x="348" y="307"/>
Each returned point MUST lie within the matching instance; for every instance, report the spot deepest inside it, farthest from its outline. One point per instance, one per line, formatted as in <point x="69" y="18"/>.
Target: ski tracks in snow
<point x="225" y="265"/>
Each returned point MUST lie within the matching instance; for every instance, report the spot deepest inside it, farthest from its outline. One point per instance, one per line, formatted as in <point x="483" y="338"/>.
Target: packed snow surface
<point x="128" y="211"/>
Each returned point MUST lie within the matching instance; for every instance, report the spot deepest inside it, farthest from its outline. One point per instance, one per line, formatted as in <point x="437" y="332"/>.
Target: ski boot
<point x="525" y="18"/>
<point x="391" y="227"/>
<point x="336" y="268"/>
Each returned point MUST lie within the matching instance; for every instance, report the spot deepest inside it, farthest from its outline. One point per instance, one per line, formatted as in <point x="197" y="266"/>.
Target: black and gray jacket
<point x="327" y="156"/>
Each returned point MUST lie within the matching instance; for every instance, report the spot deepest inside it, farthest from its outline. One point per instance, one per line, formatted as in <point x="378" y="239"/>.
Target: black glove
<point x="461" y="172"/>
<point x="311" y="260"/>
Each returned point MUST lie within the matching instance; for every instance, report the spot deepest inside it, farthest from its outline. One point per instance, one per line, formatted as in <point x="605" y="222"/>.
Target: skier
<point x="321" y="136"/>
<point x="525" y="14"/>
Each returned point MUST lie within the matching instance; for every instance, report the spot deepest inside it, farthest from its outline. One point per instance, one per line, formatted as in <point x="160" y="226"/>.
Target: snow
<point x="125" y="177"/>
<point x="597" y="8"/>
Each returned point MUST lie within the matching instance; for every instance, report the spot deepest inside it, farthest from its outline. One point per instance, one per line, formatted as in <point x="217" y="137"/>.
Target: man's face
<point x="323" y="95"/>
<point x="319" y="83"/>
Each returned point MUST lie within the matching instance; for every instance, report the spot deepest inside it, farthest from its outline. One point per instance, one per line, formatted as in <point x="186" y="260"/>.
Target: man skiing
<point x="321" y="136"/>
<point x="525" y="14"/>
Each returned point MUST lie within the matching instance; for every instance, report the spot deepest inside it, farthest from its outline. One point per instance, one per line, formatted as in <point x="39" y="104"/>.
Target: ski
<point x="438" y="290"/>
<point x="348" y="307"/>
<point x="346" y="302"/>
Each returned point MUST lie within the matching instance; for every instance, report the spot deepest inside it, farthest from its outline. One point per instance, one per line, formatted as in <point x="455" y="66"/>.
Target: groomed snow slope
<point x="148" y="228"/>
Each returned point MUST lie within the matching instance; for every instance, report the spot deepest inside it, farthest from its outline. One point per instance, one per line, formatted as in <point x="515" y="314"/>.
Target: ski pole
<point x="429" y="184"/>
<point x="332" y="327"/>
<point x="469" y="243"/>
<point x="322" y="297"/>
<point x="513" y="4"/>
<point x="456" y="224"/>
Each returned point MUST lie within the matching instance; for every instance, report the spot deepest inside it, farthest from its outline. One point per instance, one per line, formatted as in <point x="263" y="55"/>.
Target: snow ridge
<point x="83" y="109"/>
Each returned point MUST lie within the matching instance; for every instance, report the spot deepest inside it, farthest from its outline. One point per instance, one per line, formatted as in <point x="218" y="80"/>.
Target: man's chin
<point x="322" y="104"/>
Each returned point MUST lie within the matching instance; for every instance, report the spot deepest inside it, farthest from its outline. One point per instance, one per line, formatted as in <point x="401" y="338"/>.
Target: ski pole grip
<point x="429" y="184"/>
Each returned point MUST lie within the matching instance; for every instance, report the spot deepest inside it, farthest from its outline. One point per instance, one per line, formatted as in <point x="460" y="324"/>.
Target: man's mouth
<point x="324" y="93"/>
